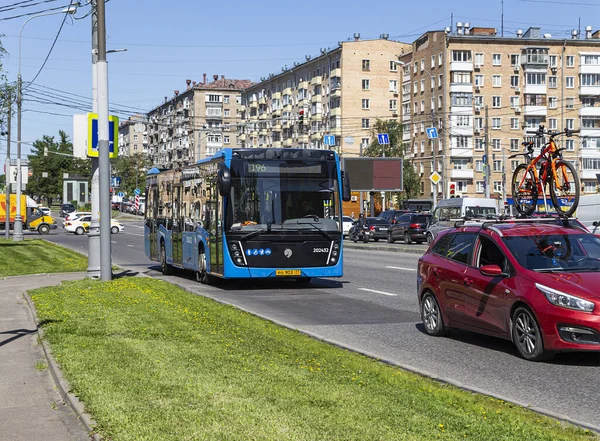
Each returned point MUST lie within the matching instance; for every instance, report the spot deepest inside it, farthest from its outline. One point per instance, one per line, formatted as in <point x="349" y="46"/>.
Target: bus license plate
<point x="294" y="272"/>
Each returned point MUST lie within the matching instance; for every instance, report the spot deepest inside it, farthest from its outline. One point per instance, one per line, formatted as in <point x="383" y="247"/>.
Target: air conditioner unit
<point x="517" y="89"/>
<point x="477" y="108"/>
<point x="477" y="65"/>
<point x="517" y="109"/>
<point x="553" y="69"/>
<point x="353" y="198"/>
<point x="517" y="68"/>
<point x="477" y="88"/>
<point x="395" y="114"/>
<point x="476" y="131"/>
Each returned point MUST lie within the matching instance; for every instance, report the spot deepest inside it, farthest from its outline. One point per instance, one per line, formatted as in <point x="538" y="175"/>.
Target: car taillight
<point x="372" y="228"/>
<point x="415" y="225"/>
<point x="67" y="224"/>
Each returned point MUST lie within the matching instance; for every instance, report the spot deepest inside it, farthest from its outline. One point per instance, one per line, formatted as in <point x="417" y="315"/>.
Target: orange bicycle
<point x="559" y="174"/>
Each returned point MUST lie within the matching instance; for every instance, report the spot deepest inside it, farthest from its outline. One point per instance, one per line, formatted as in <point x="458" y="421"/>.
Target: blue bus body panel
<point x="190" y="250"/>
<point x="166" y="234"/>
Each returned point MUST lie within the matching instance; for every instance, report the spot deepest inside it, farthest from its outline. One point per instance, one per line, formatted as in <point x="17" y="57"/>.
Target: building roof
<point x="225" y="83"/>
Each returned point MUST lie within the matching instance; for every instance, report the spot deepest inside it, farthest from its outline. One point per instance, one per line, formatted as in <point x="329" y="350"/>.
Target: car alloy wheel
<point x="79" y="231"/>
<point x="527" y="336"/>
<point x="44" y="229"/>
<point x="407" y="239"/>
<point x="432" y="316"/>
<point x="429" y="238"/>
<point x="114" y="230"/>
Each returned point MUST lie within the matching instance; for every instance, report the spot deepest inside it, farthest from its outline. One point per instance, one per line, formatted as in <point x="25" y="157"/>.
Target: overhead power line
<point x="32" y="13"/>
<point x="22" y="5"/>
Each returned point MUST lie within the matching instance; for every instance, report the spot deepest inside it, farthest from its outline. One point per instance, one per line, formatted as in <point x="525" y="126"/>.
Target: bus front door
<point x="176" y="232"/>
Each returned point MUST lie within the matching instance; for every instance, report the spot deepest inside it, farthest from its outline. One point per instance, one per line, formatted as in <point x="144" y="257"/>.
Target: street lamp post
<point x="18" y="227"/>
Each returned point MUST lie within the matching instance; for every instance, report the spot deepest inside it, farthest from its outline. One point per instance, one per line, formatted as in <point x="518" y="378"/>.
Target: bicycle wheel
<point x="565" y="194"/>
<point x="524" y="190"/>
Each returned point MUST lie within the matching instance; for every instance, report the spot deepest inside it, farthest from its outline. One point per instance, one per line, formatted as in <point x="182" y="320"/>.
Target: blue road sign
<point x="121" y="194"/>
<point x="136" y="191"/>
<point x="113" y="135"/>
<point x="383" y="138"/>
<point x="115" y="181"/>
<point x="329" y="139"/>
<point x="431" y="132"/>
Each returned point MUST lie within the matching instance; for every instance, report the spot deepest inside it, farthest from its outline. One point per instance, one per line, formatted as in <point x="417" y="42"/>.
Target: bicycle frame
<point x="547" y="153"/>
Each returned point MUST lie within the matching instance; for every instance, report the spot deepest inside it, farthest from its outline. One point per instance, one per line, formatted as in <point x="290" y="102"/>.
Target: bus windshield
<point x="282" y="193"/>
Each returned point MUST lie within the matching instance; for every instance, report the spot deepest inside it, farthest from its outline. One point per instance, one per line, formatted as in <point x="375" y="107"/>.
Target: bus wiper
<point x="321" y="232"/>
<point x="255" y="233"/>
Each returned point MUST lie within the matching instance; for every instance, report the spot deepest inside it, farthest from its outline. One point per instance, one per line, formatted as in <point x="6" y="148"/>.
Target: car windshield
<point x="480" y="211"/>
<point x="556" y="252"/>
<point x="283" y="194"/>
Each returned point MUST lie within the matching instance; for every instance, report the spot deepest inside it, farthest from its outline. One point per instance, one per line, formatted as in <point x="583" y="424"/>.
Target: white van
<point x="448" y="211"/>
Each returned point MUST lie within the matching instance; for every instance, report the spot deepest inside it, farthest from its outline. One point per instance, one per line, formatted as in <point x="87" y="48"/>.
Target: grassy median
<point x="154" y="362"/>
<point x="36" y="256"/>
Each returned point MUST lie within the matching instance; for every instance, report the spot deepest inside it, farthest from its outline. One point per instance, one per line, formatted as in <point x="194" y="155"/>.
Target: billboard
<point x="375" y="174"/>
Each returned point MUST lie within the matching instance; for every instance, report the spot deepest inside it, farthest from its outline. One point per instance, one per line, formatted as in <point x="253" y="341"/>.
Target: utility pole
<point x="503" y="179"/>
<point x="486" y="163"/>
<point x="93" y="269"/>
<point x="103" y="146"/>
<point x="7" y="171"/>
<point x="18" y="225"/>
<point x="434" y="186"/>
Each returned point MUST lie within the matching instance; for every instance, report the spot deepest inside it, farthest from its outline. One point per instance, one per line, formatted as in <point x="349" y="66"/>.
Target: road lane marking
<point x="400" y="268"/>
<point x="378" y="292"/>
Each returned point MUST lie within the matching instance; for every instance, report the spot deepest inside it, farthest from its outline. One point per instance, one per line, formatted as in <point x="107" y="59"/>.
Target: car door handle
<point x="436" y="272"/>
<point x="467" y="281"/>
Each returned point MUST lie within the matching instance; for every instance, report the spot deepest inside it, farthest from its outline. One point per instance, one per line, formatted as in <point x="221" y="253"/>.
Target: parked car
<point x="81" y="225"/>
<point x="76" y="214"/>
<point x="392" y="215"/>
<point x="409" y="227"/>
<point x="375" y="228"/>
<point x="66" y="209"/>
<point x="45" y="210"/>
<point x="534" y="283"/>
<point x="447" y="211"/>
<point x="347" y="222"/>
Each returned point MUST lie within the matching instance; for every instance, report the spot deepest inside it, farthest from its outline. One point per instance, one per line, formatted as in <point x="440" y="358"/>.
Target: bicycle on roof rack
<point x="559" y="174"/>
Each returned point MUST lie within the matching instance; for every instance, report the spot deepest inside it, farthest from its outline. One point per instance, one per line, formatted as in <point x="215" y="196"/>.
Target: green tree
<point x="411" y="180"/>
<point x="54" y="158"/>
<point x="132" y="171"/>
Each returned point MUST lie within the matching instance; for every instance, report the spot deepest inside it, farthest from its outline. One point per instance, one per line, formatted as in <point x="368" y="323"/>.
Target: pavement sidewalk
<point x="31" y="405"/>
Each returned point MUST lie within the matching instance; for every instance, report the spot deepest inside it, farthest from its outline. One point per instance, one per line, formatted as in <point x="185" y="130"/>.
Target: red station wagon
<point x="534" y="283"/>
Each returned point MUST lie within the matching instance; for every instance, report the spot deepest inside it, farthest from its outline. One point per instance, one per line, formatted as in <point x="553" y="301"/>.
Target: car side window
<point x="461" y="246"/>
<point x="490" y="254"/>
<point x="441" y="246"/>
<point x="404" y="218"/>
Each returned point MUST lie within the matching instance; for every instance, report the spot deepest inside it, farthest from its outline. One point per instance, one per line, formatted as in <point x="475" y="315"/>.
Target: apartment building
<point x="197" y="122"/>
<point x="133" y="136"/>
<point x="471" y="82"/>
<point x="340" y="92"/>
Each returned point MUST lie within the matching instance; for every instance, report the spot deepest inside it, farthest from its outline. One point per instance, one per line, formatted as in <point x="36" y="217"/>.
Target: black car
<point x="374" y="228"/>
<point x="393" y="215"/>
<point x="66" y="209"/>
<point x="409" y="227"/>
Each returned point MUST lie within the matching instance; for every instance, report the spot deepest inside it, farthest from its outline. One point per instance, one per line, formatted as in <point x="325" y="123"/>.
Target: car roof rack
<point x="490" y="221"/>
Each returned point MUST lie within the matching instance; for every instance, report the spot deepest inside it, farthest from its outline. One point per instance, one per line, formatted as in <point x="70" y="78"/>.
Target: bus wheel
<point x="43" y="229"/>
<point x="201" y="274"/>
<point x="165" y="268"/>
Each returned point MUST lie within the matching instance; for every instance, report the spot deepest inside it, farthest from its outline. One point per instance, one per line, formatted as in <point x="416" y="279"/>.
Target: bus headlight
<point x="335" y="252"/>
<point x="236" y="251"/>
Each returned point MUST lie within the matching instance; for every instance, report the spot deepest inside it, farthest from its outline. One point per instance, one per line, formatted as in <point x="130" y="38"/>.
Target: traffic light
<point x="301" y="116"/>
<point x="452" y="189"/>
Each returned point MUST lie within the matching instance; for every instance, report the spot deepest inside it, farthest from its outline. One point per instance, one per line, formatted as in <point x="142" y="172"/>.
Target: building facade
<point x="341" y="93"/>
<point x="474" y="85"/>
<point x="133" y="136"/>
<point x="196" y="123"/>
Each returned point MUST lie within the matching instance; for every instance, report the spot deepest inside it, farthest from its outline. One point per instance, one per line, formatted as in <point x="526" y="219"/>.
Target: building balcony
<point x="276" y="96"/>
<point x="303" y="138"/>
<point x="214" y="145"/>
<point x="535" y="110"/>
<point x="303" y="85"/>
<point x="314" y="137"/>
<point x="405" y="117"/>
<point x="336" y="111"/>
<point x="535" y="89"/>
<point x="276" y="113"/>
<point x="254" y="134"/>
<point x="589" y="69"/>
<point x="461" y="152"/>
<point x="461" y="87"/>
<point x="287" y="142"/>
<point x="589" y="90"/>
<point x="316" y="98"/>
<point x="276" y="144"/>
<point x="463" y="66"/>
<point x="335" y="73"/>
<point x="287" y="108"/>
<point x="461" y="174"/>
<point x="262" y="100"/>
<point x="589" y="111"/>
<point x="277" y="127"/>
<point x="589" y="133"/>
<point x="263" y="115"/>
<point x="253" y="117"/>
<point x="316" y="117"/>
<point x="254" y="104"/>
<point x="263" y="132"/>
<point x="242" y="137"/>
<point x="406" y="135"/>
<point x="336" y="93"/>
<point x="303" y="101"/>
<point x="405" y="97"/>
<point x="287" y="91"/>
<point x="316" y="81"/>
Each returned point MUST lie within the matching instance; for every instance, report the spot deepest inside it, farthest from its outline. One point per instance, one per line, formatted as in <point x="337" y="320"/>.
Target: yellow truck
<point x="33" y="218"/>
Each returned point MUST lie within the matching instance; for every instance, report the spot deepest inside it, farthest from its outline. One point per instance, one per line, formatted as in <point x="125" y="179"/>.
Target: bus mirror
<point x="346" y="196"/>
<point x="223" y="180"/>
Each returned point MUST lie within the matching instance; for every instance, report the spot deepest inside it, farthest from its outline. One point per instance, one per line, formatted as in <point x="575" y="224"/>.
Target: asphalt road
<point x="373" y="309"/>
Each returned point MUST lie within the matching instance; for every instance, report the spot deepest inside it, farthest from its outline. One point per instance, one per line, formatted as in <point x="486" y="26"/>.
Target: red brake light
<point x="415" y="225"/>
<point x="372" y="228"/>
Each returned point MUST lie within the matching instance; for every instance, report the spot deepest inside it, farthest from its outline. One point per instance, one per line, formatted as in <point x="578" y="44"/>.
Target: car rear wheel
<point x="79" y="231"/>
<point x="114" y="230"/>
<point x="432" y="316"/>
<point x="527" y="337"/>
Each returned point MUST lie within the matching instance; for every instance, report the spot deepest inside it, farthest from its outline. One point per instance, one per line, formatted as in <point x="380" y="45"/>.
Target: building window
<point x="515" y="59"/>
<point x="497" y="166"/>
<point x="478" y="165"/>
<point x="393" y="66"/>
<point x="463" y="121"/>
<point x="422" y="64"/>
<point x="588" y="101"/>
<point x="479" y="80"/>
<point x="552" y="60"/>
<point x="514" y="144"/>
<point x="590" y="143"/>
<point x="394" y="86"/>
<point x="552" y="123"/>
<point x="393" y="104"/>
<point x="479" y="187"/>
<point x="514" y="124"/>
<point x="462" y="142"/>
<point x="590" y="186"/>
<point x="366" y="65"/>
<point x="552" y="82"/>
<point x="496" y="144"/>
<point x="496" y="59"/>
<point x="225" y="99"/>
<point x="514" y="81"/>
<point x="440" y="80"/>
<point x="440" y="102"/>
<point x="496" y="123"/>
<point x="366" y="84"/>
<point x="422" y="127"/>
<point x="514" y="102"/>
<point x="570" y="103"/>
<point x="570" y="82"/>
<point x="461" y="77"/>
<point x="497" y="186"/>
<point x="238" y="99"/>
<point x="365" y="123"/>
<point x="570" y="123"/>
<point x="462" y="99"/>
<point x="479" y="144"/>
<point x="416" y="87"/>
<point x="496" y="80"/>
<point x="478" y="100"/>
<point x="440" y="58"/>
<point x="479" y="59"/>
<point x="552" y="102"/>
<point x="226" y="113"/>
<point x="570" y="61"/>
<point x="496" y="102"/>
<point x="461" y="56"/>
<point x="460" y="164"/>
<point x="422" y="106"/>
<point x="135" y="137"/>
<point x="365" y="104"/>
<point x="590" y="79"/>
<point x="214" y="98"/>
<point x="433" y="61"/>
<point x="535" y="79"/>
<point x="422" y="85"/>
<point x="570" y="145"/>
<point x="226" y="139"/>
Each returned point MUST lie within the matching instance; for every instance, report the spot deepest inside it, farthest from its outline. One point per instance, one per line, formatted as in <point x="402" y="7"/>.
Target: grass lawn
<point x="153" y="362"/>
<point x="36" y="256"/>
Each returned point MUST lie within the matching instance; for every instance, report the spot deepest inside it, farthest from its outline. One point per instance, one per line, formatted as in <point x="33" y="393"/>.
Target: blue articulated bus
<point x="249" y="213"/>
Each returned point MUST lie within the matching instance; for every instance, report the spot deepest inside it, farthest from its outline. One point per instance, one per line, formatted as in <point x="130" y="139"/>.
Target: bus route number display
<point x="278" y="168"/>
